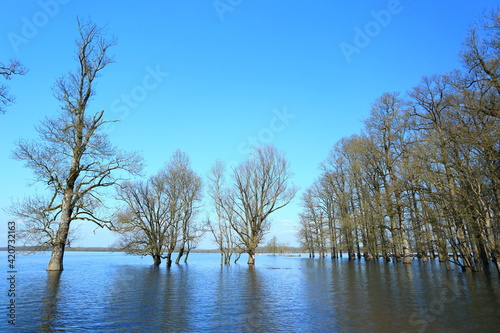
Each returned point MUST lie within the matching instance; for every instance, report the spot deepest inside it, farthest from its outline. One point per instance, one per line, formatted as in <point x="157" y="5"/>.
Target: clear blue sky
<point x="208" y="76"/>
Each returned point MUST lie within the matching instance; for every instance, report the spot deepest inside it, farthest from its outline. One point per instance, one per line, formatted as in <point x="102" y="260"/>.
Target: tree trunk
<point x="406" y="250"/>
<point x="168" y="260"/>
<point x="179" y="256"/>
<point x="156" y="259"/>
<point x="251" y="257"/>
<point x="57" y="256"/>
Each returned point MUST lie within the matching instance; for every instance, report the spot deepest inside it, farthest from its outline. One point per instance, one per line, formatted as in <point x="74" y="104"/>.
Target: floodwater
<point x="113" y="292"/>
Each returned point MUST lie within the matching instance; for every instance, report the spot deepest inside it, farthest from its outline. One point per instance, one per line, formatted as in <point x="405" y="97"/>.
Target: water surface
<point x="113" y="292"/>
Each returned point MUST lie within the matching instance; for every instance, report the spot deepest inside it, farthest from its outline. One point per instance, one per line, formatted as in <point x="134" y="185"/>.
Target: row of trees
<point x="423" y="177"/>
<point x="159" y="215"/>
<point x="75" y="161"/>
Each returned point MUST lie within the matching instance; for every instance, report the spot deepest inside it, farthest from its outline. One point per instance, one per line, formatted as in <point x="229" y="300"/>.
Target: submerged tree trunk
<point x="57" y="256"/>
<point x="251" y="257"/>
<point x="179" y="256"/>
<point x="168" y="260"/>
<point x="156" y="259"/>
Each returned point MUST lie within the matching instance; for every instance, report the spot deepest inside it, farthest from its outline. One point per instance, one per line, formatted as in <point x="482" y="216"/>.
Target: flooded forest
<point x="423" y="177"/>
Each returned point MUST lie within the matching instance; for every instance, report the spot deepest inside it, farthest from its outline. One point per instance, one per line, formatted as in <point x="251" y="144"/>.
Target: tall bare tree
<point x="261" y="186"/>
<point x="73" y="156"/>
<point x="221" y="226"/>
<point x="183" y="180"/>
<point x="7" y="70"/>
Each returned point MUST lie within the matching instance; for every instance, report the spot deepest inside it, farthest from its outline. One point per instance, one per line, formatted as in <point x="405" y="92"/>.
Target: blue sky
<point x="209" y="77"/>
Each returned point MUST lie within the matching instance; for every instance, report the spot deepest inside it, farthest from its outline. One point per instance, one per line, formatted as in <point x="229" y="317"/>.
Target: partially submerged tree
<point x="73" y="156"/>
<point x="185" y="191"/>
<point x="158" y="217"/>
<point x="7" y="70"/>
<point x="220" y="227"/>
<point x="261" y="186"/>
<point x="143" y="224"/>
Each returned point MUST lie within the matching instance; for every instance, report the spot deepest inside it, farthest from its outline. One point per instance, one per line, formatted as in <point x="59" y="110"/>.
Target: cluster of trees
<point x="242" y="205"/>
<point x="158" y="215"/>
<point x="74" y="159"/>
<point x="274" y="247"/>
<point x="423" y="177"/>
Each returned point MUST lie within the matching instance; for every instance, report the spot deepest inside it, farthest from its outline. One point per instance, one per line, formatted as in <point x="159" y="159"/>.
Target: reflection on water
<point x="50" y="302"/>
<point x="109" y="292"/>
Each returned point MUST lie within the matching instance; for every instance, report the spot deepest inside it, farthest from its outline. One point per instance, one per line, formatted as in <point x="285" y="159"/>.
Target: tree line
<point x="423" y="177"/>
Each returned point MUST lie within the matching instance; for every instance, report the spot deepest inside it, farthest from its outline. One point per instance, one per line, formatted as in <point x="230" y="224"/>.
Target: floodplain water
<point x="114" y="292"/>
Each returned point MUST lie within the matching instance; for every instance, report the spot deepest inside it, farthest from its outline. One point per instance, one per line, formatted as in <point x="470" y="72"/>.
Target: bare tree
<point x="388" y="126"/>
<point x="181" y="178"/>
<point x="73" y="157"/>
<point x="273" y="246"/>
<point x="143" y="224"/>
<point x="13" y="67"/>
<point x="158" y="217"/>
<point x="481" y="56"/>
<point x="220" y="227"/>
<point x="261" y="186"/>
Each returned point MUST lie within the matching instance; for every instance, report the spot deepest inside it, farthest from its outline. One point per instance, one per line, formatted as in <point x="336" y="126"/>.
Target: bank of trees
<point x="423" y="177"/>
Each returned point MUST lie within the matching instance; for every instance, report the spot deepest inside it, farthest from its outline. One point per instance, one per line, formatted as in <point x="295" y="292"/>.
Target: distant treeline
<point x="288" y="249"/>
